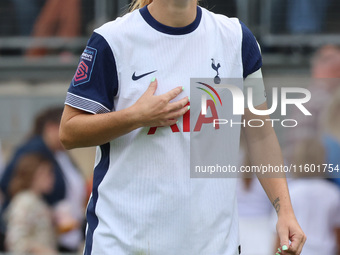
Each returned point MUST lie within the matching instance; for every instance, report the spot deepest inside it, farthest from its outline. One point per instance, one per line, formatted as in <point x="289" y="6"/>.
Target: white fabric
<point x="147" y="197"/>
<point x="144" y="201"/>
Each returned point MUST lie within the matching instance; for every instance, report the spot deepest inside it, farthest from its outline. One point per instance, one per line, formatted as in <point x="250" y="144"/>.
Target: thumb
<point x="152" y="87"/>
<point x="284" y="239"/>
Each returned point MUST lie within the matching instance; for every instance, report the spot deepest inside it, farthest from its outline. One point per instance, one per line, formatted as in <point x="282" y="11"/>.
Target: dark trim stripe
<point x="98" y="176"/>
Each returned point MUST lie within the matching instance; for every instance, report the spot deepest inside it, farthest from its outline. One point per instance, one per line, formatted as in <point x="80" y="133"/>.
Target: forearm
<point x="80" y="129"/>
<point x="264" y="149"/>
<point x="277" y="192"/>
<point x="267" y="152"/>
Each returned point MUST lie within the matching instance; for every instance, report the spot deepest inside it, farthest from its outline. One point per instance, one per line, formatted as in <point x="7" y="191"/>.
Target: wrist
<point x="286" y="213"/>
<point x="133" y="114"/>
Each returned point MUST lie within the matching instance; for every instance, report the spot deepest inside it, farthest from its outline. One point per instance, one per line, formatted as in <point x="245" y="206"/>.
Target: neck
<point x="174" y="13"/>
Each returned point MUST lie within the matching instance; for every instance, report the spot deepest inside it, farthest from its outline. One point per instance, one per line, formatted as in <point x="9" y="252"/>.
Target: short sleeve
<point x="95" y="82"/>
<point x="251" y="55"/>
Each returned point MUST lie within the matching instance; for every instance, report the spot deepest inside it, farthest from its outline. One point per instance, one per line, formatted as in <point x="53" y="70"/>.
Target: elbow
<point x="66" y="140"/>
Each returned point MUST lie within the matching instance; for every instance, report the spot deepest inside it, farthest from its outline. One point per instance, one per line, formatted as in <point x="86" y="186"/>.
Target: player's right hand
<point x="290" y="234"/>
<point x="153" y="111"/>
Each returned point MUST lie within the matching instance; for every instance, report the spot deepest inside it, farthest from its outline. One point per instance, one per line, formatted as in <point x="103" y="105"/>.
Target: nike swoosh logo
<point x="136" y="78"/>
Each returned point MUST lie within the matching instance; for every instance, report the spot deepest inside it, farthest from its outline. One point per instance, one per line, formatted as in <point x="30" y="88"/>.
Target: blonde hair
<point x="137" y="4"/>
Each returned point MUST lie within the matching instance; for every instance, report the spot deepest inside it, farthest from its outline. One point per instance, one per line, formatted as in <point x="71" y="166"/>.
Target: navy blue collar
<point x="171" y="30"/>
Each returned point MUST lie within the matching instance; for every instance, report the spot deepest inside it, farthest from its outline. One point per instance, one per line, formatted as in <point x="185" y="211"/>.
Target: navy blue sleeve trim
<point x="251" y="55"/>
<point x="95" y="83"/>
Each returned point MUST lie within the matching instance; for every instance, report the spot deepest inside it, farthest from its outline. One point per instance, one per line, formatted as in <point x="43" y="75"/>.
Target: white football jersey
<point x="143" y="199"/>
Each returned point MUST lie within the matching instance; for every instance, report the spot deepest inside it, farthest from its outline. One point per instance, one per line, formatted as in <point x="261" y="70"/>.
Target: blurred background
<point x="40" y="45"/>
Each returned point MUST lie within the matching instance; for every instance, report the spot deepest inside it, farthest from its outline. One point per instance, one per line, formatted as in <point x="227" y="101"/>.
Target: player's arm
<point x="263" y="148"/>
<point x="89" y="119"/>
<point x="79" y="128"/>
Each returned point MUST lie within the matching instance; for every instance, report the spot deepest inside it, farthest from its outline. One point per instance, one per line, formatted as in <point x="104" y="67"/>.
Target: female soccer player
<point x="143" y="199"/>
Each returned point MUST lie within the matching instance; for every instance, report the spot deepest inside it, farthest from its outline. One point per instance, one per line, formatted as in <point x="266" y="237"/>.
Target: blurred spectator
<point x="45" y="140"/>
<point x="306" y="16"/>
<point x="26" y="12"/>
<point x="325" y="80"/>
<point x="326" y="65"/>
<point x="30" y="225"/>
<point x="69" y="190"/>
<point x="59" y="18"/>
<point x="316" y="201"/>
<point x="331" y="137"/>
